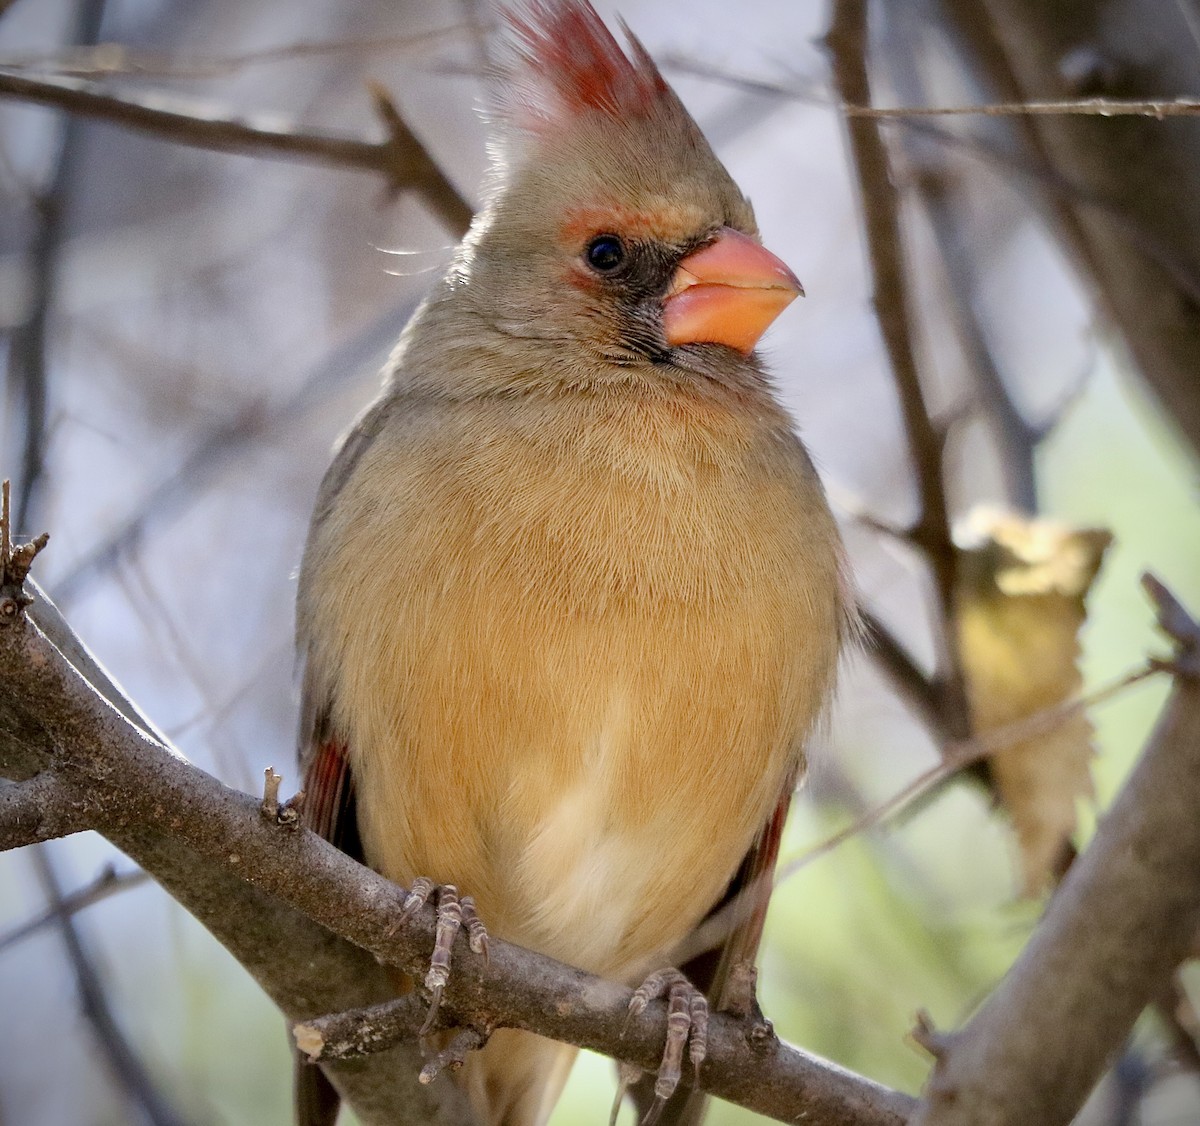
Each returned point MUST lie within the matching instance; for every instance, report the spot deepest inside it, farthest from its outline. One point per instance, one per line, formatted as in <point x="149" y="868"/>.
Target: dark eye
<point x="605" y="253"/>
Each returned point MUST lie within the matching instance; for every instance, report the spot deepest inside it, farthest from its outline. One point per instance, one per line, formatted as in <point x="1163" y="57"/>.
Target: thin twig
<point x="107" y="884"/>
<point x="400" y="158"/>
<point x="454" y="1055"/>
<point x="270" y="798"/>
<point x="108" y="60"/>
<point x="124" y="1062"/>
<point x="14" y="561"/>
<point x="960" y="754"/>
<point x="1086" y="107"/>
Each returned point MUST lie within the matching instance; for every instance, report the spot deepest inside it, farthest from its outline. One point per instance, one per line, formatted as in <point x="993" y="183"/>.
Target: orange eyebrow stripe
<point x="666" y="224"/>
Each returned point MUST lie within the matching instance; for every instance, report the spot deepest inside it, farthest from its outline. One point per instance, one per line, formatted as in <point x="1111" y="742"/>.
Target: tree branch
<point x="260" y="888"/>
<point x="128" y="1071"/>
<point x="1124" y="918"/>
<point x="1158" y="108"/>
<point x="35" y="810"/>
<point x="109" y="882"/>
<point x="400" y="158"/>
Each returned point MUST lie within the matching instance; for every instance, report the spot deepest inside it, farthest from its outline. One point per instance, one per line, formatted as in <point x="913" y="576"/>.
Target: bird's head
<point x="612" y="235"/>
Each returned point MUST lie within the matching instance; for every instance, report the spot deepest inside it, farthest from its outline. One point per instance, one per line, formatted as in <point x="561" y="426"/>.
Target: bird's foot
<point x="453" y="913"/>
<point x="687" y="1026"/>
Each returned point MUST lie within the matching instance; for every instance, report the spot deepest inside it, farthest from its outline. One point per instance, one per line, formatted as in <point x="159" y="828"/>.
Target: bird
<point x="572" y="598"/>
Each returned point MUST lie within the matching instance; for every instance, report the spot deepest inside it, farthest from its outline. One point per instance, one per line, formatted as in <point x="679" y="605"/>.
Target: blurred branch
<point x="261" y="888"/>
<point x="400" y="158"/>
<point x="959" y="755"/>
<point x="1174" y="1008"/>
<point x="27" y="347"/>
<point x="1088" y="107"/>
<point x="107" y="60"/>
<point x="1123" y="919"/>
<point x="123" y="1061"/>
<point x="231" y="438"/>
<point x="110" y="882"/>
<point x="847" y="43"/>
<point x="946" y="204"/>
<point x="904" y="674"/>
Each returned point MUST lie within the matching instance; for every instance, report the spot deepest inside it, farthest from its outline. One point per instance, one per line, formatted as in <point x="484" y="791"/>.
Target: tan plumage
<point x="572" y="599"/>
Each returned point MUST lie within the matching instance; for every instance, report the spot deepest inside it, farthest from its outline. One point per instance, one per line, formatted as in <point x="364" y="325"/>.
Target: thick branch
<point x="1123" y="919"/>
<point x="202" y="840"/>
<point x="401" y="159"/>
<point x="35" y="810"/>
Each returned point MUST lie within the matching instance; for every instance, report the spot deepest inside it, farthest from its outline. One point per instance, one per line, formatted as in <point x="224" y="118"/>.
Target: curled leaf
<point x="1023" y="586"/>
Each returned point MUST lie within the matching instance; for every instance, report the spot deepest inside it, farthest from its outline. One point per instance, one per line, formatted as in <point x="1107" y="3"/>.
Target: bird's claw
<point x="687" y="1026"/>
<point x="453" y="913"/>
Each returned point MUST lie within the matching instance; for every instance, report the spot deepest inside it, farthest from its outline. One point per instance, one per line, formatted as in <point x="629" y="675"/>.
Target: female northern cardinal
<point x="572" y="596"/>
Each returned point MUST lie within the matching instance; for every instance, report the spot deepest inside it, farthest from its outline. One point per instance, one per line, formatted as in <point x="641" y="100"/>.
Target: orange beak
<point x="727" y="292"/>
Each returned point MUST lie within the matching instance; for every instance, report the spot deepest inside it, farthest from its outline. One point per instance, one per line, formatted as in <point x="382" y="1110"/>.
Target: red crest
<point x="572" y="63"/>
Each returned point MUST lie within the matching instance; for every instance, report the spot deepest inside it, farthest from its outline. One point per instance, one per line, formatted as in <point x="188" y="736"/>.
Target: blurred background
<point x="186" y="332"/>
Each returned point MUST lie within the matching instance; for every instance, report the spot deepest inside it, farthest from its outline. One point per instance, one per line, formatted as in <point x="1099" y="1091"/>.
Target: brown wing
<point x="329" y="807"/>
<point x="728" y="935"/>
<point x="329" y="810"/>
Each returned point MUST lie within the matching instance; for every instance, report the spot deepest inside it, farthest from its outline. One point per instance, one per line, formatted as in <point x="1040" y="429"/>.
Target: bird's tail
<point x="516" y="1079"/>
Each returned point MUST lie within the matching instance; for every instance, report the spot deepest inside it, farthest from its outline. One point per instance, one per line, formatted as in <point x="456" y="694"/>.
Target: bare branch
<point x="37" y="809"/>
<point x="401" y="159"/>
<point x="1086" y="107"/>
<point x="361" y="1032"/>
<point x="1123" y="919"/>
<point x="107" y="60"/>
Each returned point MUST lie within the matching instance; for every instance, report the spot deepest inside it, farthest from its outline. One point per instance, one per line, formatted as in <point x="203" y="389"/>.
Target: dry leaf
<point x="1023" y="586"/>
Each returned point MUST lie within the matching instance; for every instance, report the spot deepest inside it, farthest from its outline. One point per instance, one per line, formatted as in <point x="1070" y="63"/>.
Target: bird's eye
<point x="605" y="253"/>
